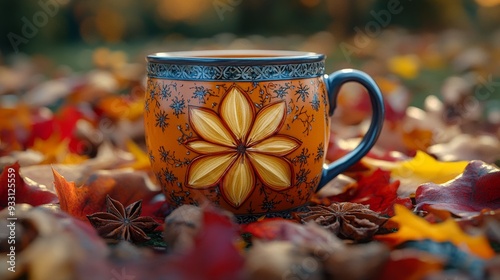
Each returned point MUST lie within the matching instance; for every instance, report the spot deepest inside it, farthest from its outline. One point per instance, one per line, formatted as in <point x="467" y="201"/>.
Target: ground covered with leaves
<point x="79" y="200"/>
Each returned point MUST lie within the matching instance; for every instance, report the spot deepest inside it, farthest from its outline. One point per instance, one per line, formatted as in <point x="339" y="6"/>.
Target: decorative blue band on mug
<point x="235" y="66"/>
<point x="235" y="73"/>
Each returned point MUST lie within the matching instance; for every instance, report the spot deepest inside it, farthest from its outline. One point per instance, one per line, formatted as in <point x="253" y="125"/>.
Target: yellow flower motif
<point x="238" y="145"/>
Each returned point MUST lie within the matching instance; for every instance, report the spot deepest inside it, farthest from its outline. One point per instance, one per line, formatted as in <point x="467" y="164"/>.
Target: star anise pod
<point x="122" y="223"/>
<point x="345" y="219"/>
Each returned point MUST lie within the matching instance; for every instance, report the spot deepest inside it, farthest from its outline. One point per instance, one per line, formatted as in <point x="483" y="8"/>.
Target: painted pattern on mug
<point x="250" y="147"/>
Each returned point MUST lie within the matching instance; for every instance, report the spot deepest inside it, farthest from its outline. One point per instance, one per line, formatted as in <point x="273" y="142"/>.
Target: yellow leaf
<point x="413" y="227"/>
<point x="406" y="66"/>
<point x="53" y="148"/>
<point x="424" y="169"/>
<point x="141" y="158"/>
<point x="56" y="150"/>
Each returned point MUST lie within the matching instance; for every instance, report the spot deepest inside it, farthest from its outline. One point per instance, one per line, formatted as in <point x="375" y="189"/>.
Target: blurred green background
<point x="419" y="42"/>
<point x="63" y="29"/>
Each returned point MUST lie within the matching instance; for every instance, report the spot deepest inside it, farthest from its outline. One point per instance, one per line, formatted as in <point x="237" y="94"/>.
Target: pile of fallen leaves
<point x="424" y="203"/>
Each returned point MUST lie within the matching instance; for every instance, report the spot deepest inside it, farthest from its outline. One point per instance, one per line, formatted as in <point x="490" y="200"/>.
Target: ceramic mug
<point x="246" y="130"/>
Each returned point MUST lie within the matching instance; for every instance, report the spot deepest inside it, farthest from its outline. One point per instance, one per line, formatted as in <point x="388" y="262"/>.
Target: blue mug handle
<point x="333" y="83"/>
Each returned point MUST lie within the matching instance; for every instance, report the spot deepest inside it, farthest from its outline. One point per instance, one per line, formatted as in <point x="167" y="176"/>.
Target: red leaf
<point x="88" y="198"/>
<point x="62" y="124"/>
<point x="214" y="255"/>
<point x="268" y="229"/>
<point x="410" y="264"/>
<point x="13" y="185"/>
<point x="487" y="188"/>
<point x="376" y="191"/>
<point x="286" y="230"/>
<point x="476" y="189"/>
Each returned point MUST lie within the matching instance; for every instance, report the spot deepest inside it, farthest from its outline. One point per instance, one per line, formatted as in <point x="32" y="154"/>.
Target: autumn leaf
<point x="118" y="107"/>
<point x="410" y="264"/>
<point x="13" y="185"/>
<point x="375" y="190"/>
<point x="413" y="227"/>
<point x="141" y="158"/>
<point x="417" y="139"/>
<point x="466" y="195"/>
<point x="56" y="150"/>
<point x="214" y="255"/>
<point x="396" y="100"/>
<point x="14" y="124"/>
<point x="423" y="169"/>
<point x="272" y="229"/>
<point x="455" y="259"/>
<point x="406" y="66"/>
<point x="468" y="147"/>
<point x="62" y="124"/>
<point x="53" y="245"/>
<point x="267" y="228"/>
<point x="124" y="185"/>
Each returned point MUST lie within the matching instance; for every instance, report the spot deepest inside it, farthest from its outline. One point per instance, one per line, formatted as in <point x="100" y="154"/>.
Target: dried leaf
<point x="412" y="227"/>
<point x="310" y="234"/>
<point x="285" y="260"/>
<point x="213" y="256"/>
<point x="376" y="191"/>
<point x="360" y="261"/>
<point x="42" y="175"/>
<point x="181" y="227"/>
<point x="468" y="194"/>
<point x="225" y="262"/>
<point x="410" y="264"/>
<point x="417" y="139"/>
<point x="468" y="147"/>
<point x="276" y="260"/>
<point x="14" y="189"/>
<point x="423" y="169"/>
<point x="124" y="185"/>
<point x="61" y="247"/>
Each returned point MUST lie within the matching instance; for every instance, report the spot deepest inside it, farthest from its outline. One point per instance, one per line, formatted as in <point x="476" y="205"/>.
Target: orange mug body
<point x="247" y="132"/>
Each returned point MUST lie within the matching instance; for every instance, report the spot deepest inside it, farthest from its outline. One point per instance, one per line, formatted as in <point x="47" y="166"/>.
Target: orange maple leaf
<point x="413" y="227"/>
<point x="89" y="197"/>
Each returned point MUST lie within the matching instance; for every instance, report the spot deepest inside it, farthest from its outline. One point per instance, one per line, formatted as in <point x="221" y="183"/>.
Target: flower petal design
<point x="267" y="122"/>
<point x="239" y="145"/>
<point x="204" y="147"/>
<point x="238" y="182"/>
<point x="279" y="145"/>
<point x="206" y="171"/>
<point x="274" y="172"/>
<point x="237" y="112"/>
<point x="208" y="126"/>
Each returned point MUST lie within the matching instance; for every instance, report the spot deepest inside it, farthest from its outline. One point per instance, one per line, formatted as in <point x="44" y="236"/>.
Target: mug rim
<point x="235" y="57"/>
